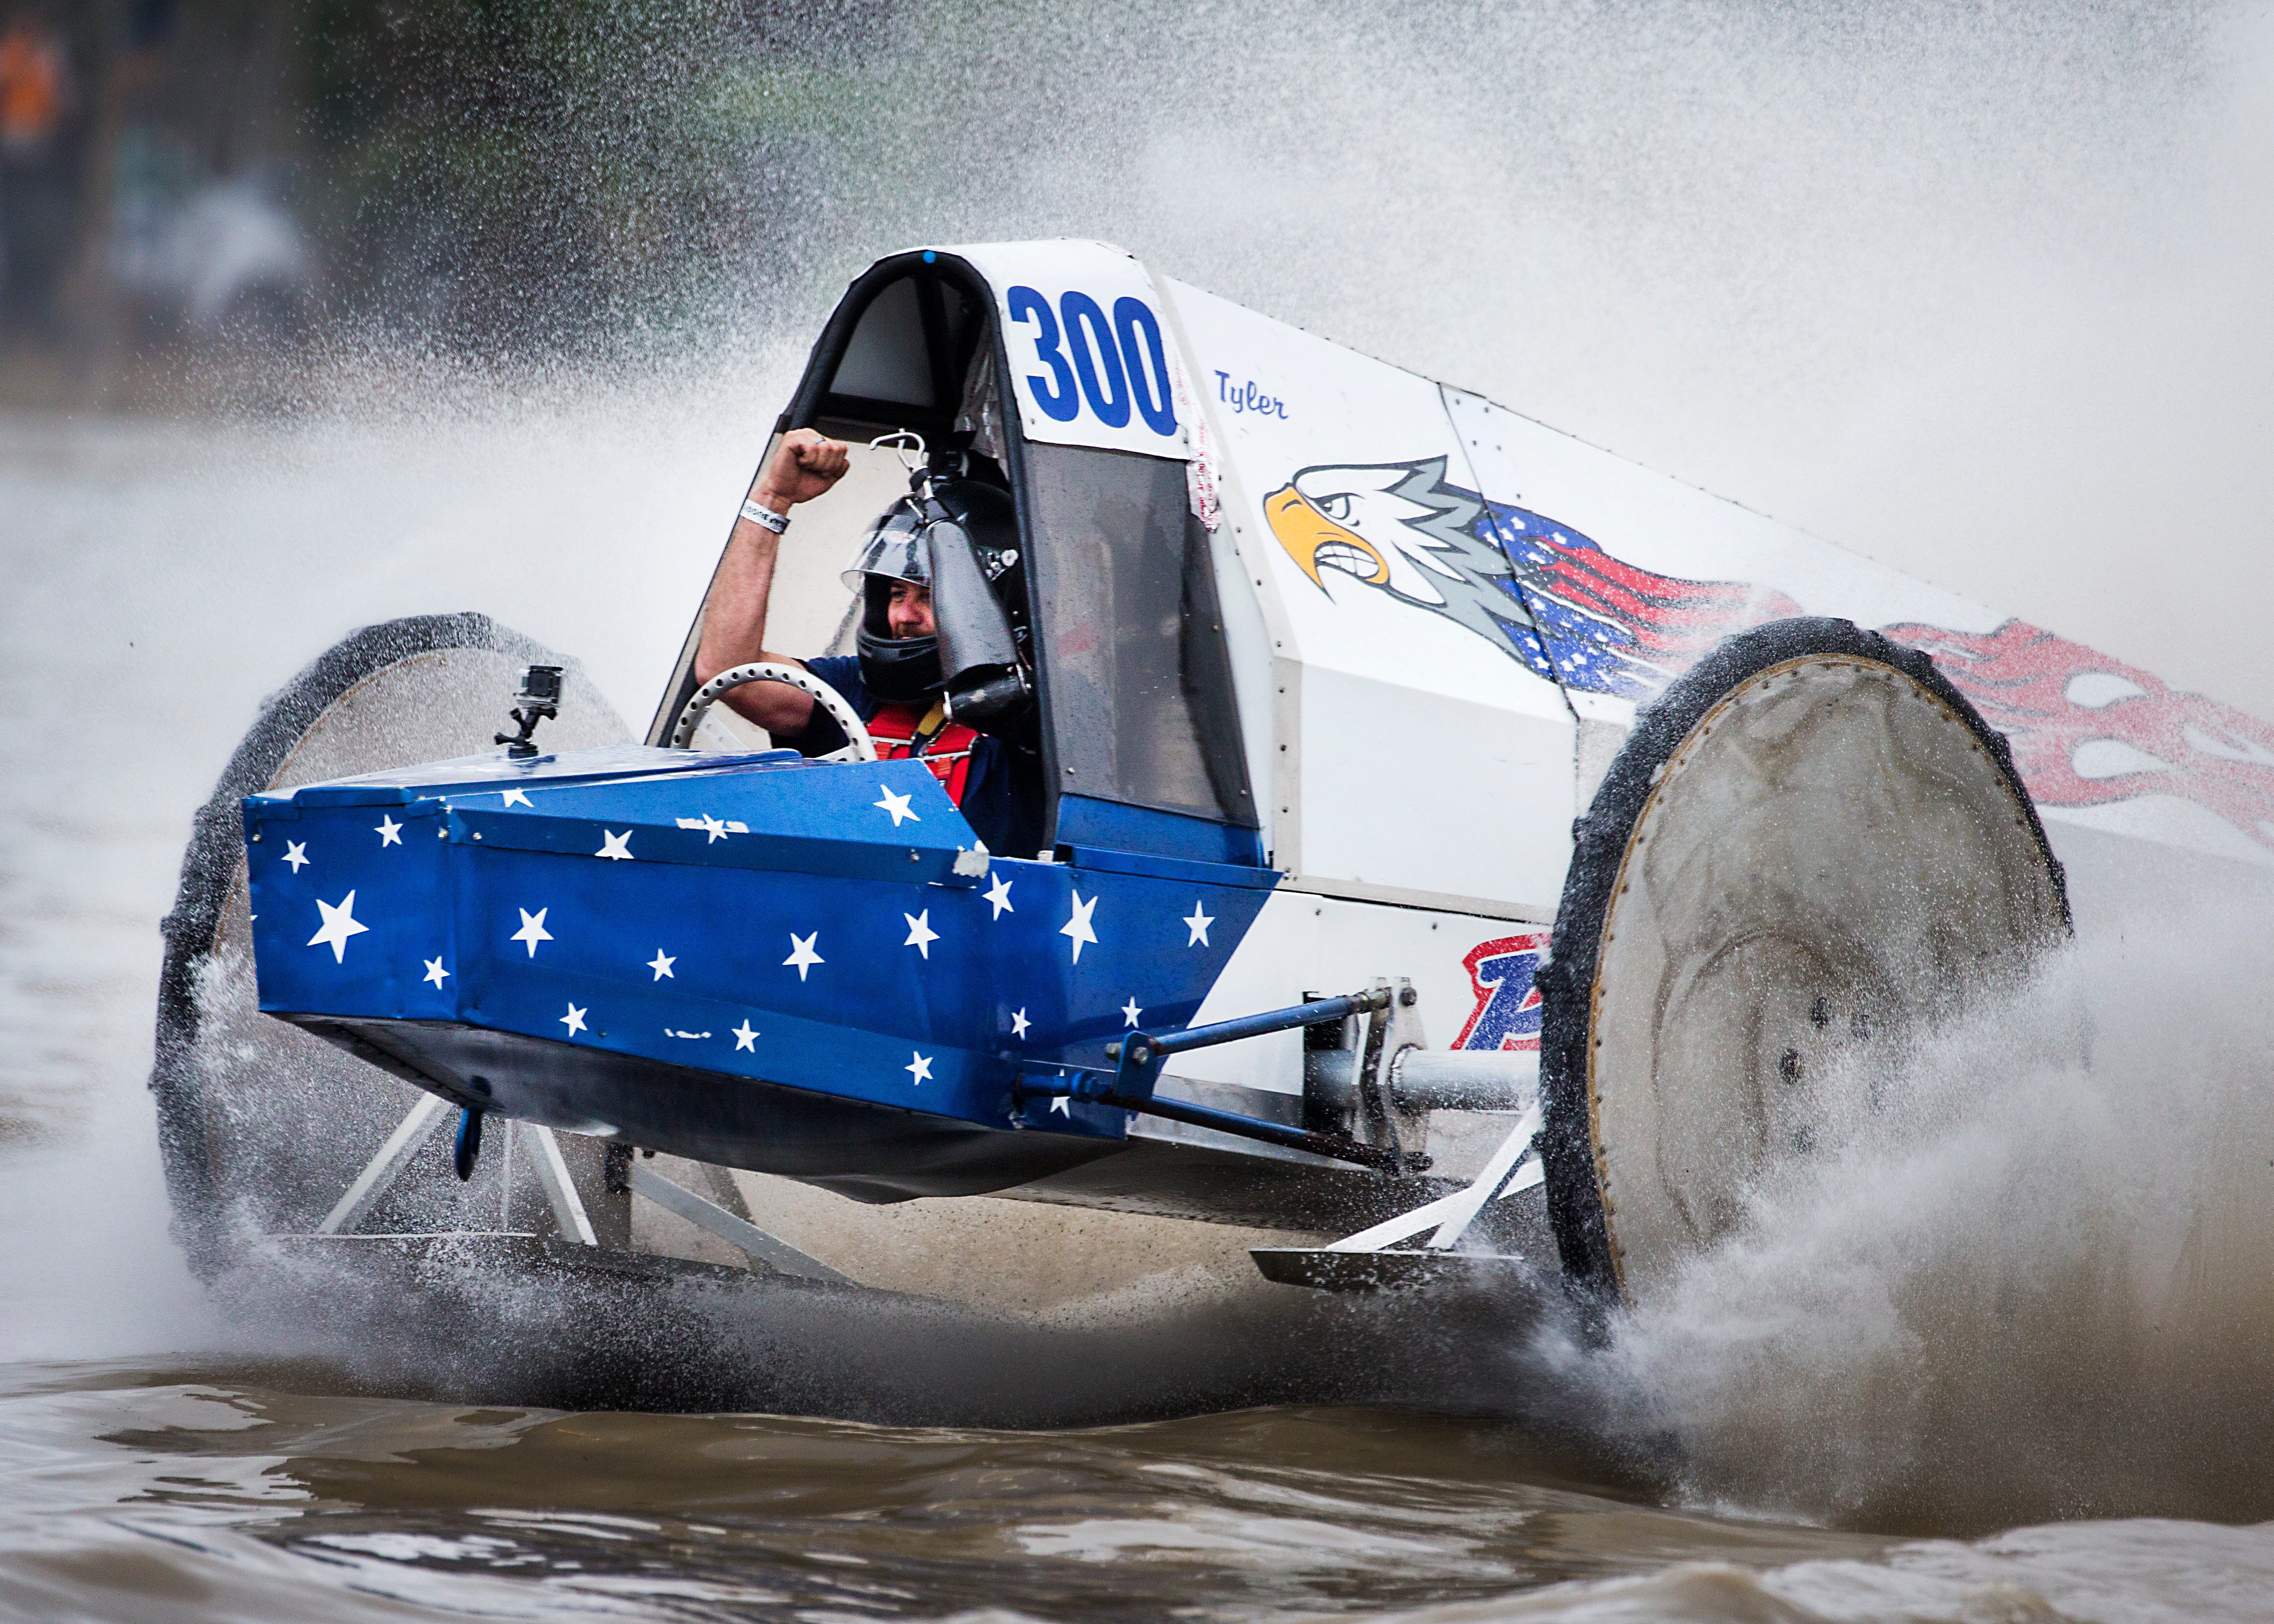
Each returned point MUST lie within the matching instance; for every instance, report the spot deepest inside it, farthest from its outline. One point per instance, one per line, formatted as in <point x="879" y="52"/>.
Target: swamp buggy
<point x="1466" y="855"/>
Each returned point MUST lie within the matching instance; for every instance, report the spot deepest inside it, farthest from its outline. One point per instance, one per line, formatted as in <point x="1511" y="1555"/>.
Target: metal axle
<point x="1140" y="1057"/>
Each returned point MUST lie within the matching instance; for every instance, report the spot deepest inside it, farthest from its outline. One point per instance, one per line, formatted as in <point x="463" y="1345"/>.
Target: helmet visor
<point x="897" y="550"/>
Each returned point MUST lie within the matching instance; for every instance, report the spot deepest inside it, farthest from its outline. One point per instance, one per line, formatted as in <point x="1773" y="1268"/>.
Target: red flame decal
<point x="2087" y="729"/>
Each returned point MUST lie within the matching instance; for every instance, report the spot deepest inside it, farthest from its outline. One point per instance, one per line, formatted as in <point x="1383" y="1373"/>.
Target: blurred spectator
<point x="35" y="83"/>
<point x="206" y="259"/>
<point x="35" y="178"/>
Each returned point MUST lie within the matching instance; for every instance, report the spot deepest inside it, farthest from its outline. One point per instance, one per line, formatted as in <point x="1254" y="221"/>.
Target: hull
<point x="797" y="968"/>
<point x="857" y="1149"/>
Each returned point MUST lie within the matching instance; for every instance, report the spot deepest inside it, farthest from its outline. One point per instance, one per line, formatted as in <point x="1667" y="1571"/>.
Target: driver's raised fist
<point x="803" y="466"/>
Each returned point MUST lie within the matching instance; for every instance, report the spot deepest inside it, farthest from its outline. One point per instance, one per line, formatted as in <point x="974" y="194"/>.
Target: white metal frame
<point x="737" y="1232"/>
<point x="381" y="1172"/>
<point x="1452" y="1215"/>
<point x="378" y="1174"/>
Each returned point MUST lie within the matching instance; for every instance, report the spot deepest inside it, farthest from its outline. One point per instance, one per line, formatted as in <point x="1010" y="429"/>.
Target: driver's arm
<point x="803" y="466"/>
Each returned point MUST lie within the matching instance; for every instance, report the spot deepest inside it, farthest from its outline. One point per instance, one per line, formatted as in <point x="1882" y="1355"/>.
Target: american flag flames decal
<point x="2086" y="730"/>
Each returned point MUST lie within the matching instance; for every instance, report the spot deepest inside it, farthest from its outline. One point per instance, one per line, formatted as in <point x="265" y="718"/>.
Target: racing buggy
<point x="1463" y="854"/>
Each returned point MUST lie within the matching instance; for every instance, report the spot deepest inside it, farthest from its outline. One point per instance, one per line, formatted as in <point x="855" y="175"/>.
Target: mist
<point x="1974" y="291"/>
<point x="1980" y="294"/>
<point x="2028" y="1283"/>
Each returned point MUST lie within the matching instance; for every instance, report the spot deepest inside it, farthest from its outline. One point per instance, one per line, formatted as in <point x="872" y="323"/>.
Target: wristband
<point x="766" y="518"/>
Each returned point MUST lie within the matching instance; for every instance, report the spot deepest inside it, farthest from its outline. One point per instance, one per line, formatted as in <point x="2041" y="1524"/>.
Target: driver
<point x="894" y="682"/>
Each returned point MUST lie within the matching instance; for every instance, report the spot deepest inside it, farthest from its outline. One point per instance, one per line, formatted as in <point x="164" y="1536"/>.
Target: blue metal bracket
<point x="1140" y="1057"/>
<point x="1142" y="1053"/>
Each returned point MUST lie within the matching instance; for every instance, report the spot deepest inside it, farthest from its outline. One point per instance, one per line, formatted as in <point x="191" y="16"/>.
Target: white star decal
<point x="296" y="852"/>
<point x="998" y="896"/>
<point x="574" y="1020"/>
<point x="1078" y="927"/>
<point x="801" y="955"/>
<point x="1130" y="1011"/>
<point x="516" y="798"/>
<point x="389" y="831"/>
<point x="661" y="964"/>
<point x="1019" y="1023"/>
<point x="616" y="846"/>
<point x="921" y="934"/>
<point x="896" y="804"/>
<point x="434" y="971"/>
<point x="919" y="1068"/>
<point x="1197" y="922"/>
<point x="717" y="828"/>
<point x="1063" y="1106"/>
<point x="339" y="925"/>
<point x="533" y="929"/>
<point x="745" y="1038"/>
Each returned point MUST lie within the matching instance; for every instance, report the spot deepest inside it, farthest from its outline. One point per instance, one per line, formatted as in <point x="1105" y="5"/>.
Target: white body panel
<point x="1448" y="798"/>
<point x="1090" y="357"/>
<point x="1408" y="758"/>
<point x="2137" y="770"/>
<point x="1302" y="944"/>
<point x="1677" y="530"/>
<point x="1441" y="616"/>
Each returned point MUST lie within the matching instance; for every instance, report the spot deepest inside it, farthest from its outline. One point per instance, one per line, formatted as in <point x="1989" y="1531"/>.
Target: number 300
<point x="1114" y="365"/>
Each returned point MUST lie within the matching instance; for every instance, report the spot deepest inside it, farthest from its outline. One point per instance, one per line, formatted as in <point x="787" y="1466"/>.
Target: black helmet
<point x="907" y="668"/>
<point x="893" y="668"/>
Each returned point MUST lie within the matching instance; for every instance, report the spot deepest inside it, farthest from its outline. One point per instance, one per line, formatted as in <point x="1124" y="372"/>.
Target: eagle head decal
<point x="1399" y="527"/>
<point x="1530" y="584"/>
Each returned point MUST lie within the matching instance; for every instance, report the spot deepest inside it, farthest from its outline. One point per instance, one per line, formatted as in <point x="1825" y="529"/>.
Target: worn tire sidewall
<point x="1601" y="840"/>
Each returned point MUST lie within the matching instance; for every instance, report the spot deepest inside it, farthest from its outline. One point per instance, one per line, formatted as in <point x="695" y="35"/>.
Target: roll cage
<point x="1140" y="733"/>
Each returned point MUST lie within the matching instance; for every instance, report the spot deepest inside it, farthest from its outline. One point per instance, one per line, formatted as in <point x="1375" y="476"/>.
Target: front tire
<point x="262" y="1126"/>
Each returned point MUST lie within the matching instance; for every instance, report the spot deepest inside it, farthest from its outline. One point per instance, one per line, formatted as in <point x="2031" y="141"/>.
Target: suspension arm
<point x="1140" y="1057"/>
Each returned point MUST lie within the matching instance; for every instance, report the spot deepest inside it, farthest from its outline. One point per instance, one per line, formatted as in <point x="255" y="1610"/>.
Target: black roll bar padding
<point x="976" y="645"/>
<point x="946" y="354"/>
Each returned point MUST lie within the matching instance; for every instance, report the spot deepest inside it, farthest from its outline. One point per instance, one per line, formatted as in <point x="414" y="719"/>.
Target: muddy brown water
<point x="165" y="1486"/>
<point x="1794" y="1445"/>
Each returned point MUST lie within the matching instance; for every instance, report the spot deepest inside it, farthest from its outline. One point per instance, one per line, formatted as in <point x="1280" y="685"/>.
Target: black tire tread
<point x="1599" y="840"/>
<point x="210" y="870"/>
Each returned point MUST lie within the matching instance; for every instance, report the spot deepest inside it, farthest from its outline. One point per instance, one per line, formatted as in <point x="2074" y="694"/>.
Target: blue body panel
<point x="1084" y="820"/>
<point x="763" y="919"/>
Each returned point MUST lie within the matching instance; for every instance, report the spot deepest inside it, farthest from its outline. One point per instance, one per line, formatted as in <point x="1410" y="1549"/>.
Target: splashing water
<point x="2032" y="1284"/>
<point x="1978" y="293"/>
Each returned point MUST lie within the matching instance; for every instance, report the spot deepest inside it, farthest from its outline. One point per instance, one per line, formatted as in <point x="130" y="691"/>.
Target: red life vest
<point x="902" y="730"/>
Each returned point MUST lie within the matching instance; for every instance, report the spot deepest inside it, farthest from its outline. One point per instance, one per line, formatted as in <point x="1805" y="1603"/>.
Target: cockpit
<point x="1112" y="604"/>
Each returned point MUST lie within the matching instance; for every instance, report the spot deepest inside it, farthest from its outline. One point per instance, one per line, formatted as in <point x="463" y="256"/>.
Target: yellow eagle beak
<point x="1316" y="541"/>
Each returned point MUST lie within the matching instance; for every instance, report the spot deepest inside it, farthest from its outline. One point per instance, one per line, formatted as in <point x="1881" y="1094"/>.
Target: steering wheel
<point x="859" y="746"/>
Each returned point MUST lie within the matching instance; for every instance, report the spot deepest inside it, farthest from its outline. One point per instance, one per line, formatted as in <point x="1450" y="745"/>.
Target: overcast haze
<point x="1983" y="292"/>
<point x="1979" y="291"/>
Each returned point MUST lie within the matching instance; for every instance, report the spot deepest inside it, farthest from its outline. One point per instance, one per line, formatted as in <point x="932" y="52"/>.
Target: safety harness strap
<point x="902" y="733"/>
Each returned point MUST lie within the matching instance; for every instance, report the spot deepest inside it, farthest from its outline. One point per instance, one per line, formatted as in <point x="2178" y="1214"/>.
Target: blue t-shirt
<point x="1002" y="792"/>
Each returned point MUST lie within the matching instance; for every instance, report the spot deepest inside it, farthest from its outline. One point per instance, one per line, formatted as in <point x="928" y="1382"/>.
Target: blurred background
<point x="1976" y="291"/>
<point x="189" y="186"/>
<point x="314" y="313"/>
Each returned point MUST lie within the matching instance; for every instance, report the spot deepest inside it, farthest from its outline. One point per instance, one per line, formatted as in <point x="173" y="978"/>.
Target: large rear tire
<point x="263" y="1126"/>
<point x="1809" y="849"/>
